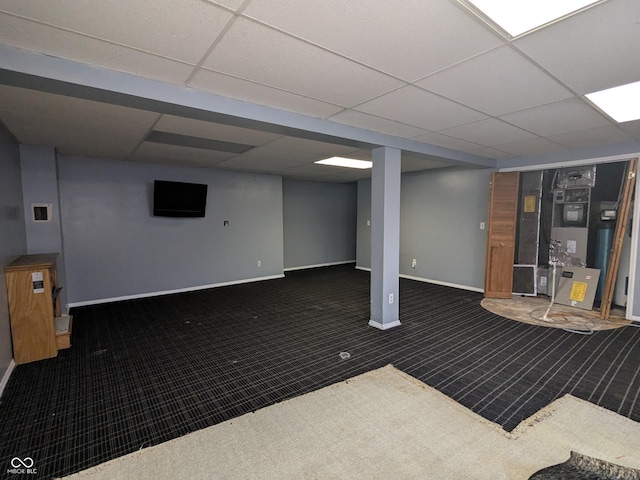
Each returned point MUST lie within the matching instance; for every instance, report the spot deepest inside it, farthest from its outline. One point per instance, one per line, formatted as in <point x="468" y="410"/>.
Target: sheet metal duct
<point x="528" y="232"/>
<point x="529" y="218"/>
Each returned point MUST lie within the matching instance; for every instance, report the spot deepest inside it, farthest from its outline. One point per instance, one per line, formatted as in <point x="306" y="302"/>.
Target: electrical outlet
<point x="368" y="223"/>
<point x="258" y="263"/>
<point x="390" y="298"/>
<point x="414" y="263"/>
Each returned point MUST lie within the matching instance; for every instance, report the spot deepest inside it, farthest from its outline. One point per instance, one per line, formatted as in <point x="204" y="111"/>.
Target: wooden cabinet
<point x="38" y="330"/>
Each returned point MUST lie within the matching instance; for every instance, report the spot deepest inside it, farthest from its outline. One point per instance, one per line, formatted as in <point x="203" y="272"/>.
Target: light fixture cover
<point x="620" y="103"/>
<point x="518" y="17"/>
<point x="345" y="162"/>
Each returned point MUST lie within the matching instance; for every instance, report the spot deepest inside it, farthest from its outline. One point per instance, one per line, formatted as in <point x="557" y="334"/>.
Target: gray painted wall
<point x="115" y="247"/>
<point x="40" y="185"/>
<point x="635" y="284"/>
<point x="440" y="220"/>
<point x="635" y="311"/>
<point x="440" y="215"/>
<point x="319" y="222"/>
<point x="363" y="240"/>
<point x="13" y="240"/>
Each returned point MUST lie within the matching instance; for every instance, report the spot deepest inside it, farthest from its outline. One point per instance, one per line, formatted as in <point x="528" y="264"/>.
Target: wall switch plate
<point x="414" y="263"/>
<point x="481" y="225"/>
<point x="390" y="298"/>
<point x="258" y="263"/>
<point x="368" y="223"/>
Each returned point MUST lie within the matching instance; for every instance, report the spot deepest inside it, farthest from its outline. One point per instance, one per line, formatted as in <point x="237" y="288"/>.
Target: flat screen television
<point x="179" y="199"/>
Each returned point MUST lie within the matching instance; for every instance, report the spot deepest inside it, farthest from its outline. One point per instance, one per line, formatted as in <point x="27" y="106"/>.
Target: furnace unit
<point x="570" y="214"/>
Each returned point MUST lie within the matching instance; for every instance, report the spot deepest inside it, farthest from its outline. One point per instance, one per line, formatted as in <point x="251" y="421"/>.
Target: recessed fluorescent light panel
<point x="345" y="162"/>
<point x="516" y="17"/>
<point x="620" y="103"/>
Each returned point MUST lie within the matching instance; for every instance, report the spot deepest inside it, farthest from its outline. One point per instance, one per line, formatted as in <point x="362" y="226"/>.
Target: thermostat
<point x="41" y="212"/>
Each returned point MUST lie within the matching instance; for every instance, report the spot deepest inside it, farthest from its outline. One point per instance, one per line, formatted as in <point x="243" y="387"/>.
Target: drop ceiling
<point x="327" y="78"/>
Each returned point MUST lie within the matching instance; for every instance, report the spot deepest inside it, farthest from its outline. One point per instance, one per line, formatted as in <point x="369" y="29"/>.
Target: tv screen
<point x="179" y="199"/>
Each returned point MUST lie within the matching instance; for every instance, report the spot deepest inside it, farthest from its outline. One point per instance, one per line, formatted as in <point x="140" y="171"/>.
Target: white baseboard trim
<point x="384" y="326"/>
<point x="168" y="292"/>
<point x="5" y="377"/>
<point x="305" y="267"/>
<point x="427" y="280"/>
<point x="444" y="284"/>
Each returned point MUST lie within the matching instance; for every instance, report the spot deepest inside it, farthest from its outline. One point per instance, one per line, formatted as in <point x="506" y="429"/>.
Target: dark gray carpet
<point x="145" y="371"/>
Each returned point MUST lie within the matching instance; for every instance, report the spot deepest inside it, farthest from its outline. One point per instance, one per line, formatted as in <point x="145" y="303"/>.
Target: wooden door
<point x="501" y="237"/>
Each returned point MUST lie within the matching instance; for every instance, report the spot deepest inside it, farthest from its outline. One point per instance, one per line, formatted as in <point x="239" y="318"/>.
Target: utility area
<point x="566" y="224"/>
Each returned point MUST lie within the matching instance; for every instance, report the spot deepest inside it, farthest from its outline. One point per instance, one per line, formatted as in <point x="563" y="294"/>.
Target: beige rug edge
<point x="560" y="316"/>
<point x="413" y="440"/>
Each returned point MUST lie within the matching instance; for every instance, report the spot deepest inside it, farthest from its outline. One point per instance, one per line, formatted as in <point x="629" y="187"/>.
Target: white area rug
<point x="382" y="425"/>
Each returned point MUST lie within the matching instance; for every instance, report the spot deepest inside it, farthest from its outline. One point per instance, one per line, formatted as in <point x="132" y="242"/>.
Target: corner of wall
<point x="5" y="377"/>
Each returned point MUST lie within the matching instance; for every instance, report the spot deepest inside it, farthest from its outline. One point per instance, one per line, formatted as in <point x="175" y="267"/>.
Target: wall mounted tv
<point x="179" y="199"/>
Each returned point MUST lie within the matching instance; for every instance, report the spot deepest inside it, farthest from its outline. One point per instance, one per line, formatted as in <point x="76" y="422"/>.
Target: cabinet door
<point x="503" y="210"/>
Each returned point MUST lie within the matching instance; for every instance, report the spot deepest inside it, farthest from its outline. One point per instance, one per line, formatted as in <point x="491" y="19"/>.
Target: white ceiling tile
<point x="73" y="126"/>
<point x="382" y="34"/>
<point x="560" y="117"/>
<point x="530" y="147"/>
<point x="260" y="54"/>
<point x="60" y="107"/>
<point x="258" y="163"/>
<point x="220" y="84"/>
<point x="178" y="155"/>
<point x="324" y="59"/>
<point x="70" y="138"/>
<point x="278" y="154"/>
<point x="89" y="146"/>
<point x="421" y="109"/>
<point x="156" y="26"/>
<point x="593" y="50"/>
<point x="632" y="128"/>
<point x="52" y="41"/>
<point x="489" y="132"/>
<point x="214" y="131"/>
<point x="445" y="141"/>
<point x="376" y="124"/>
<point x="232" y="4"/>
<point x="609" y="134"/>
<point x="496" y="82"/>
<point x="489" y="152"/>
<point x="302" y="145"/>
<point x="363" y="154"/>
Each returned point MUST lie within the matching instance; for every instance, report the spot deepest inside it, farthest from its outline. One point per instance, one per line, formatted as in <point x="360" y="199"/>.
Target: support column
<point x="385" y="238"/>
